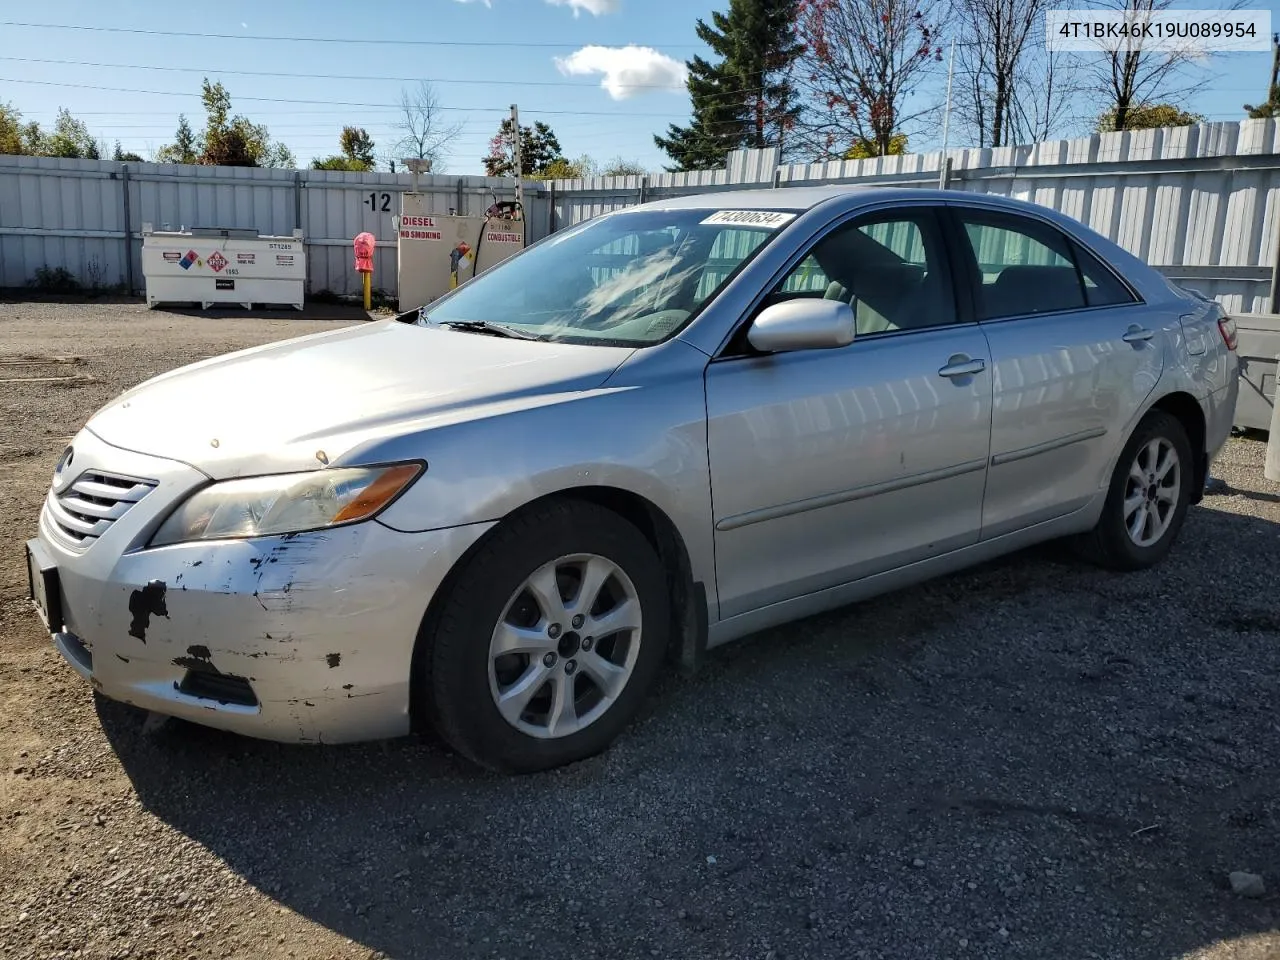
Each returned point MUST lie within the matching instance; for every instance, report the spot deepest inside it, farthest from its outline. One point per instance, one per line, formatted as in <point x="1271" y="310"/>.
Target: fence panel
<point x="1200" y="203"/>
<point x="72" y="214"/>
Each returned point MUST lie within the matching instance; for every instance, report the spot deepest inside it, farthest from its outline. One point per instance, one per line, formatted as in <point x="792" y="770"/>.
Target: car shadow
<point x="1033" y="752"/>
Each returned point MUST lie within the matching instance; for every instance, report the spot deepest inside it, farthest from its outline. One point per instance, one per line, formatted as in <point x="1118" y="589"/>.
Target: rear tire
<point x="1148" y="498"/>
<point x="579" y="597"/>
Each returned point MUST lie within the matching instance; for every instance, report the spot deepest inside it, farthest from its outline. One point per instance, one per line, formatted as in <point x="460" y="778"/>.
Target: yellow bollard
<point x="368" y="290"/>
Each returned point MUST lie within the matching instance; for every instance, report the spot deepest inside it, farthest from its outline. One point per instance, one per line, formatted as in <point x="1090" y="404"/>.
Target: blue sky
<point x="549" y="74"/>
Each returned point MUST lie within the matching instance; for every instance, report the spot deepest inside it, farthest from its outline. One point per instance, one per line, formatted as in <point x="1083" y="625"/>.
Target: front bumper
<point x="320" y="627"/>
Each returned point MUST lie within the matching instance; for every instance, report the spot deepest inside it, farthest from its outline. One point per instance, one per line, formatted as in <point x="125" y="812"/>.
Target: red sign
<point x="216" y="261"/>
<point x="417" y="222"/>
<point x="421" y="235"/>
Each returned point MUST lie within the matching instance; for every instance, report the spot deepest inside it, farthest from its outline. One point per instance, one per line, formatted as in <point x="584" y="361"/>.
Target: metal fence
<point x="1200" y="203"/>
<point x="86" y="216"/>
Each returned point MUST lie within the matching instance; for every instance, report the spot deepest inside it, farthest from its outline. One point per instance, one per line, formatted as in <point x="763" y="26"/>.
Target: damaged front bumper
<point x="305" y="637"/>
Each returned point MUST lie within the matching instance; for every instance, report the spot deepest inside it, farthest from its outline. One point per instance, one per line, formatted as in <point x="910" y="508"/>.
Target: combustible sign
<point x="493" y="237"/>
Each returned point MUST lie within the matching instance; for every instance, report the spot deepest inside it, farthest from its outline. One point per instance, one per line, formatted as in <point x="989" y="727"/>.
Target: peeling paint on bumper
<point x="322" y="625"/>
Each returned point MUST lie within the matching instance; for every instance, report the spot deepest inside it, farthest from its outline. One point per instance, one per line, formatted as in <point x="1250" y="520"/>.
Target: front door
<point x="831" y="465"/>
<point x="1074" y="355"/>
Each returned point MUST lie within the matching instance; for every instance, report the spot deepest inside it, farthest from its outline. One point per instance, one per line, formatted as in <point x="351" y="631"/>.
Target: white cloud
<point x="593" y="7"/>
<point x="626" y="71"/>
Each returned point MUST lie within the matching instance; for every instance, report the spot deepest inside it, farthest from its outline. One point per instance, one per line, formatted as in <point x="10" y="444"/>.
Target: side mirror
<point x="803" y="324"/>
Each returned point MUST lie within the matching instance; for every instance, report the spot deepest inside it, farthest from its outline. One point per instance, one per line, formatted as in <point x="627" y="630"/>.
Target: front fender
<point x="643" y="432"/>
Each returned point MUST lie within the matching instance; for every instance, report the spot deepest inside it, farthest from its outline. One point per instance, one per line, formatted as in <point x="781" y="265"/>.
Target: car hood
<point x="300" y="403"/>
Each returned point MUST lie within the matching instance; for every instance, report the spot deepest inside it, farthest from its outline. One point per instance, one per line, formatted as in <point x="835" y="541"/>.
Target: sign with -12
<point x="378" y="202"/>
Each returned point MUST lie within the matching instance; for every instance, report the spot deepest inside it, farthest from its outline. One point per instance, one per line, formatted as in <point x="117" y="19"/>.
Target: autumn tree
<point x="563" y="169"/>
<point x="1135" y="74"/>
<point x="356" y="152"/>
<point x="747" y="98"/>
<point x="233" y="141"/>
<point x="867" y="149"/>
<point x="539" y="149"/>
<point x="1149" y="116"/>
<point x="69" y="138"/>
<point x="864" y="61"/>
<point x="618" y="167"/>
<point x="1268" y="109"/>
<point x="227" y="140"/>
<point x="17" y="137"/>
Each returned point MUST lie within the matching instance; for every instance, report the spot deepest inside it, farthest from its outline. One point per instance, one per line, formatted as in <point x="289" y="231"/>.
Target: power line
<point x="338" y="103"/>
<point x="339" y="76"/>
<point x="339" y="40"/>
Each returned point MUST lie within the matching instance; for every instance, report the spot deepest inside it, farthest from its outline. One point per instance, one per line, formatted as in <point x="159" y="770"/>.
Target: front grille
<point x="87" y="509"/>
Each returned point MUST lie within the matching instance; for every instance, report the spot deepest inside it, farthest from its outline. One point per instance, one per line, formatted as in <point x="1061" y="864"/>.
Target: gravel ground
<point x="1034" y="759"/>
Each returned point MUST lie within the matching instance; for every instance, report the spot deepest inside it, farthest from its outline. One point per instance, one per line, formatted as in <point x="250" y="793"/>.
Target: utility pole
<point x="1275" y="65"/>
<point x="944" y="172"/>
<point x="519" y="160"/>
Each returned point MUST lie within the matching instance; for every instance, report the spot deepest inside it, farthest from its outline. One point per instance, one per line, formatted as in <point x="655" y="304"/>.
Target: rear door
<point x="1074" y="358"/>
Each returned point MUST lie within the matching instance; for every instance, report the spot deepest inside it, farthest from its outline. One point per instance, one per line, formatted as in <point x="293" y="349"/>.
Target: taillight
<point x="1227" y="327"/>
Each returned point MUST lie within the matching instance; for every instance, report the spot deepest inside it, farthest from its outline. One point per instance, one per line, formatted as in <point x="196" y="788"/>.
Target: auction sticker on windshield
<point x="769" y="219"/>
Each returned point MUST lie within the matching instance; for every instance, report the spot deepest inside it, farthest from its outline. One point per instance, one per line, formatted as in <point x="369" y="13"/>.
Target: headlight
<point x="286" y="503"/>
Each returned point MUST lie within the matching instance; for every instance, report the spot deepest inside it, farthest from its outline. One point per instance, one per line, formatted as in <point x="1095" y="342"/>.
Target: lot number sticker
<point x="769" y="219"/>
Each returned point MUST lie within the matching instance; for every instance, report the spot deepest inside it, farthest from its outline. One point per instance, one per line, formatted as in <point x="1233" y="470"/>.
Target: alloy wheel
<point x="1151" y="492"/>
<point x="565" y="646"/>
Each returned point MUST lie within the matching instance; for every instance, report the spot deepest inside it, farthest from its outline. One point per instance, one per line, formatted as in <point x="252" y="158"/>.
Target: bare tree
<point x="997" y="42"/>
<point x="425" y="134"/>
<point x="1046" y="95"/>
<point x="864" y="61"/>
<point x="1133" y="76"/>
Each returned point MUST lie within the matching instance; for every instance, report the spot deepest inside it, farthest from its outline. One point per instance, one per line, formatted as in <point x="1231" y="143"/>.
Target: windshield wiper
<point x="484" y="326"/>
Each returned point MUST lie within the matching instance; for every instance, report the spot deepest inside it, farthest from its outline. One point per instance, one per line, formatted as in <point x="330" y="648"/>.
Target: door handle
<point x="962" y="366"/>
<point x="1137" y="334"/>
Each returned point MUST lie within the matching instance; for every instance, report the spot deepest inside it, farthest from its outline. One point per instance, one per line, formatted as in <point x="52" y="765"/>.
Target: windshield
<point x="632" y="279"/>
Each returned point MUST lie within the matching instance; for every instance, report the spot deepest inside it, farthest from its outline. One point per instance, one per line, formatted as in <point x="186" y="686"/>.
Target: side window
<point x="890" y="268"/>
<point x="1024" y="267"/>
<point x="1101" y="287"/>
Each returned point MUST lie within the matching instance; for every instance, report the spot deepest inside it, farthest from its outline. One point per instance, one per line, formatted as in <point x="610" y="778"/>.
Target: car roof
<point x="800" y="199"/>
<point x="789" y="198"/>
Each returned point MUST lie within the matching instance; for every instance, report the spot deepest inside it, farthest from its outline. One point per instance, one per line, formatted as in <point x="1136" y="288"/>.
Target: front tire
<point x="548" y="640"/>
<point x="1148" y="498"/>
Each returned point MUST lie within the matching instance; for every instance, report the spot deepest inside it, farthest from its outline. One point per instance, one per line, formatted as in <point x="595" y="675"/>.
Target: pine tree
<point x="747" y="99"/>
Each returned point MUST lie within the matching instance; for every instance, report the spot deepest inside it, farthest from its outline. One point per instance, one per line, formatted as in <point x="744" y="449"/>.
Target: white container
<point x="212" y="266"/>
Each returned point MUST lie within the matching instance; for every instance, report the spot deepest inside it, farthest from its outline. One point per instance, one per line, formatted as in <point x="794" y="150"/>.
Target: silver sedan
<point x="507" y="512"/>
